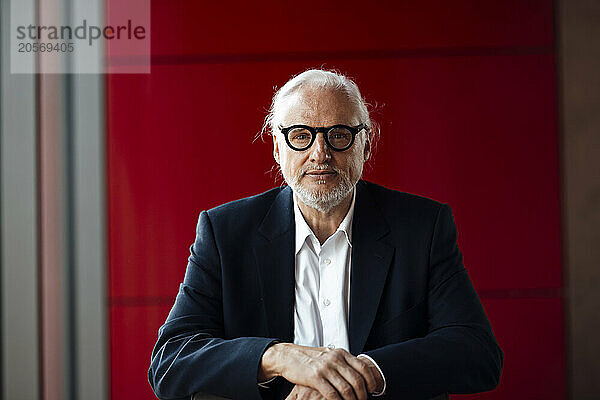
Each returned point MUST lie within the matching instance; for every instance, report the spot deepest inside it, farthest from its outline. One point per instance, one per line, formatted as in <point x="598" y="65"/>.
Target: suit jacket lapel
<point x="274" y="253"/>
<point x="371" y="259"/>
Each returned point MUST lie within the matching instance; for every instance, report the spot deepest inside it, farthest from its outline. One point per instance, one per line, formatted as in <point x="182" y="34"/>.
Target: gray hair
<point x="319" y="78"/>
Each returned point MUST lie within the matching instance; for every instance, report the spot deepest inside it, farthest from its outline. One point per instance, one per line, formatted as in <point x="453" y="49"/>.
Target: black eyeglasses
<point x="337" y="137"/>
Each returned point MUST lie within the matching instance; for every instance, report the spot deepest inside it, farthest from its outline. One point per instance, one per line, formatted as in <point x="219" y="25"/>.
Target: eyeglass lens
<point x="338" y="137"/>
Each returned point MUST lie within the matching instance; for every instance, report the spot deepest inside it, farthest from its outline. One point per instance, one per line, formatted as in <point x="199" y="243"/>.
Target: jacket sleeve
<point x="459" y="353"/>
<point x="191" y="354"/>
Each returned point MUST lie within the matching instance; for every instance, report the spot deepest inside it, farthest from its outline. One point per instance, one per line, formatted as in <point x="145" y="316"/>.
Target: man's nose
<point x="319" y="151"/>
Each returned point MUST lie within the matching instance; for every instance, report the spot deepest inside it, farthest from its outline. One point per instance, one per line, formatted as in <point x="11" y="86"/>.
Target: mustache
<point x="318" y="167"/>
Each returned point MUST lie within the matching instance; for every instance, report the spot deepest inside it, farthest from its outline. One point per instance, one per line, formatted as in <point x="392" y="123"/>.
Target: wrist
<point x="270" y="362"/>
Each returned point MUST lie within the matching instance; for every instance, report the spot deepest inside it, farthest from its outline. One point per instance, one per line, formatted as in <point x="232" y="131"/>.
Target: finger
<point x="315" y="395"/>
<point x="307" y="393"/>
<point x="349" y="372"/>
<point x="363" y="367"/>
<point x="341" y="385"/>
<point x="355" y="379"/>
<point x="324" y="387"/>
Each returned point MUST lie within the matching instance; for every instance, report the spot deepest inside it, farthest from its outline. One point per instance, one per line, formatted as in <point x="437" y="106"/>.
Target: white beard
<point x="320" y="200"/>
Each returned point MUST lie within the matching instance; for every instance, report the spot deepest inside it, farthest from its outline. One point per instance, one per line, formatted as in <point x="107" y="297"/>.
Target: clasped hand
<point x="319" y="372"/>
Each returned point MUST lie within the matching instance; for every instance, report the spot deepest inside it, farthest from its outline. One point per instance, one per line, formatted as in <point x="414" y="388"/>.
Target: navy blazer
<point x="413" y="308"/>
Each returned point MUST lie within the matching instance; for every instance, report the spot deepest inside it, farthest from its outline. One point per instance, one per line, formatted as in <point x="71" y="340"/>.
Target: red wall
<point x="465" y="95"/>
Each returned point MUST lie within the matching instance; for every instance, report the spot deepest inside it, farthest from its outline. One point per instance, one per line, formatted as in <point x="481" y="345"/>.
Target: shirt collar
<point x="303" y="231"/>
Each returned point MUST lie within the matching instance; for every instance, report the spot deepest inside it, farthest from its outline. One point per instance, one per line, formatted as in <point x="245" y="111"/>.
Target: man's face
<point x="321" y="178"/>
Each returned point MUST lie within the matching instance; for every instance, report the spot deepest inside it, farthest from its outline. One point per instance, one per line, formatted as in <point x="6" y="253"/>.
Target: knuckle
<point x="323" y="370"/>
<point x="355" y="377"/>
<point x="318" y="367"/>
<point x="363" y="367"/>
<point x="347" y="391"/>
<point x="339" y="352"/>
<point x="330" y="362"/>
<point x="320" y="376"/>
<point x="359" y="383"/>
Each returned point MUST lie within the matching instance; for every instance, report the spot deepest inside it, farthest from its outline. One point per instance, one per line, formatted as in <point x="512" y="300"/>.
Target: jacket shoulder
<point x="250" y="209"/>
<point x="401" y="202"/>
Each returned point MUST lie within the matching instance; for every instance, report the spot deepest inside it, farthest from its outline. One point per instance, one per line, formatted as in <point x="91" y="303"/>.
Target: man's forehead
<point x="318" y="107"/>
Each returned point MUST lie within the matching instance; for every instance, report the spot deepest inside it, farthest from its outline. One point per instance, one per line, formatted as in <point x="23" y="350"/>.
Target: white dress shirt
<point x="322" y="290"/>
<point x="322" y="284"/>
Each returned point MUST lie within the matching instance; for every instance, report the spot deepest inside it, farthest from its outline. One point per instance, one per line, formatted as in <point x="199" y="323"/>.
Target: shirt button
<point x="331" y="346"/>
<point x="327" y="261"/>
<point x="326" y="302"/>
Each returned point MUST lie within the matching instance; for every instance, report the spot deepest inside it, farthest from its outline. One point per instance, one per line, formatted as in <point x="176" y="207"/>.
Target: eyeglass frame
<point x="354" y="130"/>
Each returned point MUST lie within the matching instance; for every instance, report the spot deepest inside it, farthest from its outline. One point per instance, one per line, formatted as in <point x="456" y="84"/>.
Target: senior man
<point x="330" y="287"/>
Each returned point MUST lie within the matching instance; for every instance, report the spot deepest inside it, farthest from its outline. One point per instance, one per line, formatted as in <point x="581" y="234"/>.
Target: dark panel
<point x="476" y="132"/>
<point x="133" y="332"/>
<point x="530" y="332"/>
<point x="194" y="27"/>
<point x="579" y="59"/>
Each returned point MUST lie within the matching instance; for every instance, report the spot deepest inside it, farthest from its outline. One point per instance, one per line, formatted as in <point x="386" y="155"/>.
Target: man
<point x="331" y="287"/>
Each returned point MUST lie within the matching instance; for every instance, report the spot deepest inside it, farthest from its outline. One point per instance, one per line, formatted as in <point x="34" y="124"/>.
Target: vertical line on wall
<point x="563" y="239"/>
<point x="2" y="12"/>
<point x="70" y="238"/>
<point x="38" y="217"/>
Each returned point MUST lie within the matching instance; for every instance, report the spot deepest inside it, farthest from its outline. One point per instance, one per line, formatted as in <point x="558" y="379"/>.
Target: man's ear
<point x="275" y="149"/>
<point x="367" y="150"/>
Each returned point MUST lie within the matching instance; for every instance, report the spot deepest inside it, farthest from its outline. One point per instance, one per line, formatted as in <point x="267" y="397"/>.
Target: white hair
<point x="319" y="78"/>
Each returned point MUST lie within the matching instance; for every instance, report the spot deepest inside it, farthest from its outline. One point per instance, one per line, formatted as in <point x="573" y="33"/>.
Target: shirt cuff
<point x="382" y="392"/>
<point x="265" y="384"/>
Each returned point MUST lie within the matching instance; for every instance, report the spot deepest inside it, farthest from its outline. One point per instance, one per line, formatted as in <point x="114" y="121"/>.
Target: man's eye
<point x="300" y="136"/>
